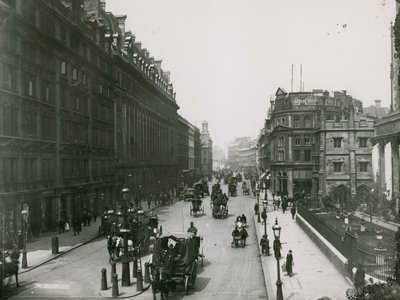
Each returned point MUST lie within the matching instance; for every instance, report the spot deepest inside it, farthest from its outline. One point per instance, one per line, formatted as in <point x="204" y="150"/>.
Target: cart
<point x="196" y="207"/>
<point x="175" y="257"/>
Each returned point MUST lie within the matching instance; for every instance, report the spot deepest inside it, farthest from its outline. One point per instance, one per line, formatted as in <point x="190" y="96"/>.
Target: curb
<point x="268" y="283"/>
<point x="126" y="296"/>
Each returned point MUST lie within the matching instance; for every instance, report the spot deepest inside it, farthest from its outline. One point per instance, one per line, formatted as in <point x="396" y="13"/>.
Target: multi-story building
<point x="248" y="156"/>
<point x="183" y="144"/>
<point x="218" y="158"/>
<point x="233" y="151"/>
<point x="84" y="111"/>
<point x="342" y="157"/>
<point x="206" y="150"/>
<point x="197" y="151"/>
<point x="292" y="121"/>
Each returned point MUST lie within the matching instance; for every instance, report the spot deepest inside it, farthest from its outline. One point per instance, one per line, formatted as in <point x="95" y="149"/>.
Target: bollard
<point x="139" y="282"/>
<point x="54" y="245"/>
<point x="115" y="292"/>
<point x="113" y="269"/>
<point x="146" y="273"/>
<point x="135" y="268"/>
<point x="103" y="279"/>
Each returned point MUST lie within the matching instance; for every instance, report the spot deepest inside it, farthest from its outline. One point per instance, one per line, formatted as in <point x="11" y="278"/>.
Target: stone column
<point x="381" y="167"/>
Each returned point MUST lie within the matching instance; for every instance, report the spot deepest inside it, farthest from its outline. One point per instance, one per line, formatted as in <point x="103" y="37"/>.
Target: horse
<point x="160" y="282"/>
<point x="112" y="247"/>
<point x="10" y="267"/>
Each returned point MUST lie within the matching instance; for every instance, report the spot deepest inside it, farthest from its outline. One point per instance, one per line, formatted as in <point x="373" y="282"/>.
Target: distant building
<point x="248" y="156"/>
<point x="218" y="158"/>
<point x="233" y="151"/>
<point x="206" y="150"/>
<point x="376" y="110"/>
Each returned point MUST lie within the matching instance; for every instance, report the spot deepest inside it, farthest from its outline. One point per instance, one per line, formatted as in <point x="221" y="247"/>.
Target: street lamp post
<point x="125" y="230"/>
<point x="25" y="214"/>
<point x="370" y="209"/>
<point x="258" y="205"/>
<point x="264" y="215"/>
<point x="277" y="250"/>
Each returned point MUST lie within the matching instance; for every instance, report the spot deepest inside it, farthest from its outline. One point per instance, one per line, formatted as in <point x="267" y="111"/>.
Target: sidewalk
<point x="314" y="275"/>
<point x="39" y="251"/>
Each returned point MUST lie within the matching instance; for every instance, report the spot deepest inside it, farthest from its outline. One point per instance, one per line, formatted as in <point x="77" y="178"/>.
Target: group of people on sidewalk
<point x="77" y="222"/>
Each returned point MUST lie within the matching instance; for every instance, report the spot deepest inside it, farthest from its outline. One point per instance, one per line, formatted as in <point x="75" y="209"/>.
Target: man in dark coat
<point x="289" y="263"/>
<point x="256" y="209"/>
<point x="293" y="211"/>
<point x="277" y="248"/>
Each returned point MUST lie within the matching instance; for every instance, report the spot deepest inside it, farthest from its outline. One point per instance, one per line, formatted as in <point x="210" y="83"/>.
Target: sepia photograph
<point x="200" y="149"/>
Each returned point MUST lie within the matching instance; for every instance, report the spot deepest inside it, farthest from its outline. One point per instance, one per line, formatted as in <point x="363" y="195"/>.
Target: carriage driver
<point x="192" y="228"/>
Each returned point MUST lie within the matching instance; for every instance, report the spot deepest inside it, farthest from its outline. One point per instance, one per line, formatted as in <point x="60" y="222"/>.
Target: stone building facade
<point x="206" y="150"/>
<point x="291" y="126"/>
<point x="84" y="111"/>
<point x="341" y="152"/>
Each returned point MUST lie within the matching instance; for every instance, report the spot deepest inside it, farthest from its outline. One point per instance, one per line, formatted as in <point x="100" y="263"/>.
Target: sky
<point x="228" y="57"/>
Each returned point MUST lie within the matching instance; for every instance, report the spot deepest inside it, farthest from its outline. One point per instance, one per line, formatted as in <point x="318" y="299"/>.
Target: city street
<point x="228" y="273"/>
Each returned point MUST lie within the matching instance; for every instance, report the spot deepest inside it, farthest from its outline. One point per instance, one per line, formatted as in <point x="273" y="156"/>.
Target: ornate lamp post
<point x="258" y="205"/>
<point x="125" y="230"/>
<point x="264" y="215"/>
<point x="277" y="250"/>
<point x="25" y="214"/>
<point x="370" y="209"/>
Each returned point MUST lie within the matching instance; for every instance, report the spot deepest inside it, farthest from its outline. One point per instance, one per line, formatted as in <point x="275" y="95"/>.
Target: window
<point x="297" y="140"/>
<point x="63" y="68"/>
<point x="281" y="155"/>
<point x="281" y="141"/>
<point x="100" y="88"/>
<point x="307" y="140"/>
<point x="297" y="155"/>
<point x="84" y="79"/>
<point x="9" y="77"/>
<point x="363" y="167"/>
<point x="337" y="142"/>
<point x="283" y="121"/>
<point x="337" y="167"/>
<point x="307" y="122"/>
<point x="29" y="85"/>
<point x="74" y="74"/>
<point x="302" y="101"/>
<point x="362" y="142"/>
<point x="307" y="155"/>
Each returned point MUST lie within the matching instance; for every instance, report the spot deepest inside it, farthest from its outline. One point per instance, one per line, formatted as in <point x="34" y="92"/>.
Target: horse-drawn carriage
<point x="142" y="227"/>
<point x="219" y="206"/>
<point x="175" y="259"/>
<point x="189" y="194"/>
<point x="232" y="189"/>
<point x="196" y="207"/>
<point x="198" y="189"/>
<point x="245" y="189"/>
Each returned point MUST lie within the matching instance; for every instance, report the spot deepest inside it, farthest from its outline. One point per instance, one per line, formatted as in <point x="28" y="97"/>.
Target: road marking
<point x="52" y="286"/>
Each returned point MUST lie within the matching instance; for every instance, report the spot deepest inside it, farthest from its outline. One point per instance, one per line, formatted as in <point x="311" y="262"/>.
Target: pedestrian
<point x="264" y="216"/>
<point x="94" y="216"/>
<point x="244" y="235"/>
<point x="284" y="204"/>
<point x="66" y="226"/>
<point x="61" y="226"/>
<point x="293" y="211"/>
<point x="289" y="263"/>
<point x="278" y="202"/>
<point x="277" y="248"/>
<point x="359" y="279"/>
<point x="264" y="243"/>
<point x="256" y="209"/>
<point x="75" y="225"/>
<point x="192" y="228"/>
<point x="88" y="218"/>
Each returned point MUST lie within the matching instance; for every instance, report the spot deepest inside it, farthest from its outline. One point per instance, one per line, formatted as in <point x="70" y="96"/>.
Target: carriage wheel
<point x="194" y="274"/>
<point x="187" y="287"/>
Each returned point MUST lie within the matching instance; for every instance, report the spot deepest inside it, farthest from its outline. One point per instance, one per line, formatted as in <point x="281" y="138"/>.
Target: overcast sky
<point x="227" y="57"/>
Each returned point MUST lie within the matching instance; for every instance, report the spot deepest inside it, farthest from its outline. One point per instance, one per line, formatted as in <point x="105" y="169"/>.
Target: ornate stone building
<point x="294" y="137"/>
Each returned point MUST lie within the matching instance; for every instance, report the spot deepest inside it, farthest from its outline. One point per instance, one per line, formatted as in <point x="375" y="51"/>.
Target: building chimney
<point x="121" y="24"/>
<point x="378" y="103"/>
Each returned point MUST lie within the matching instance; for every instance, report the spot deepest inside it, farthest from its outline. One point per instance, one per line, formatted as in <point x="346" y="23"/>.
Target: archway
<point x="341" y="195"/>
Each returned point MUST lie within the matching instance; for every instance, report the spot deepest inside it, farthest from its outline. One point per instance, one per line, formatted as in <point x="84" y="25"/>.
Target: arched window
<point x="281" y="141"/>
